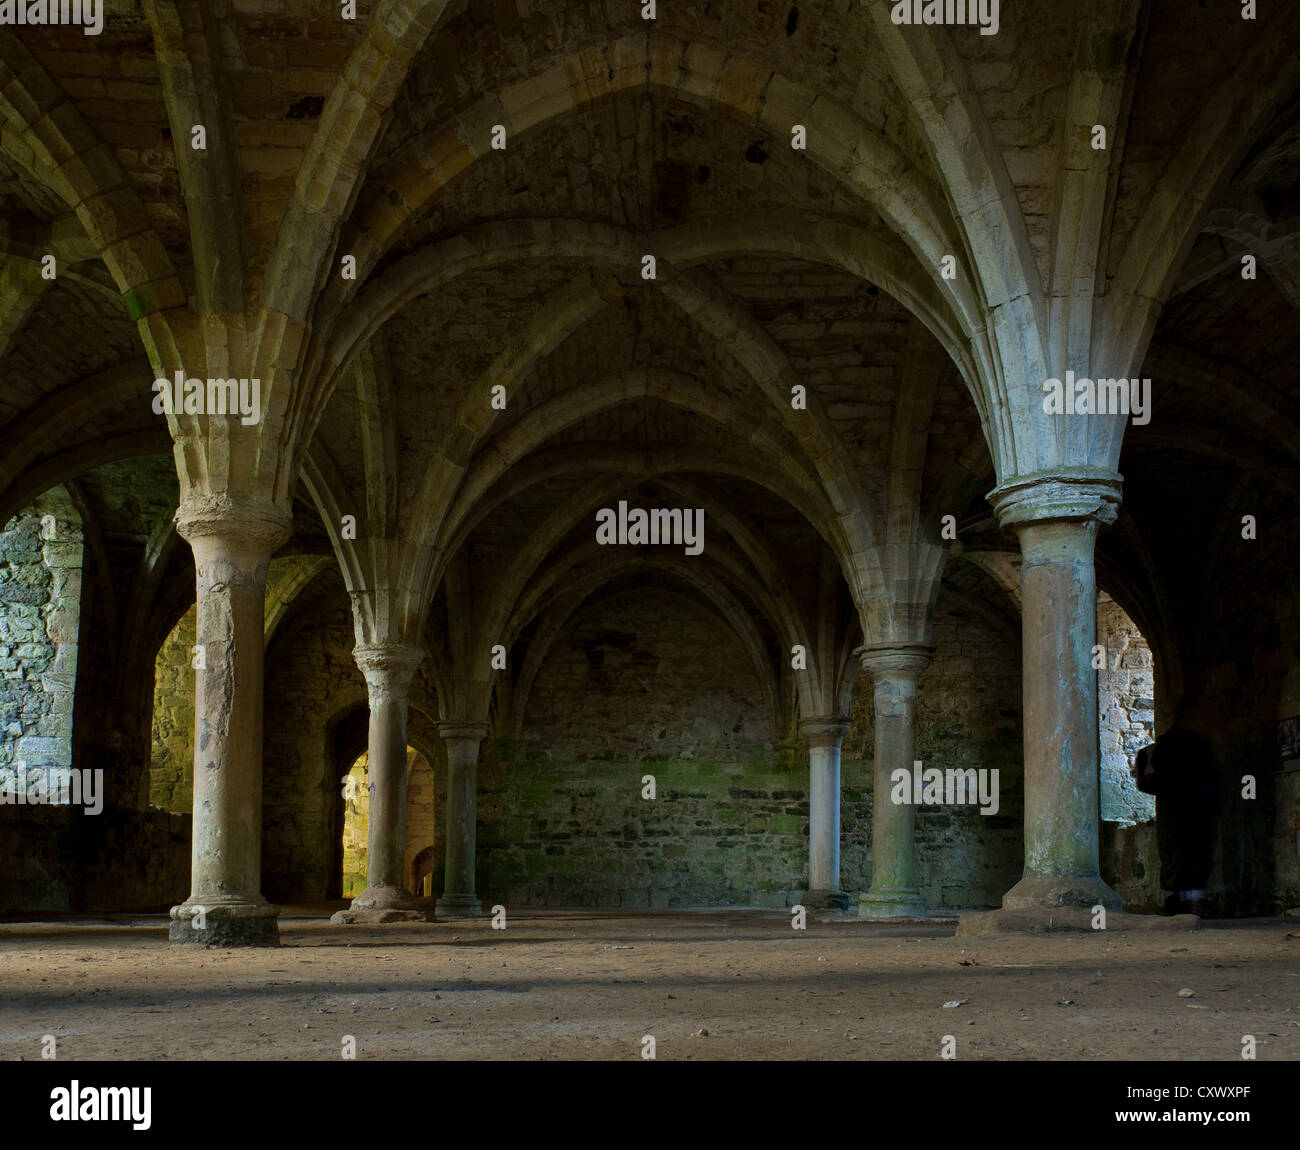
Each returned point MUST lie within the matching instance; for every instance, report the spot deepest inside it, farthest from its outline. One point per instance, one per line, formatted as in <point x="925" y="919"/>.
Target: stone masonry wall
<point x="420" y="830"/>
<point x="968" y="716"/>
<point x="625" y="693"/>
<point x="40" y="601"/>
<point x="171" y="767"/>
<point x="312" y="681"/>
<point x="640" y="685"/>
<point x="310" y="677"/>
<point x="61" y="859"/>
<point x="1126" y="724"/>
<point x="1126" y="713"/>
<point x="356" y="827"/>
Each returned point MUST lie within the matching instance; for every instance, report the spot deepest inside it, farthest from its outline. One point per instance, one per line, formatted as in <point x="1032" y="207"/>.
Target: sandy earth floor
<point x="705" y="985"/>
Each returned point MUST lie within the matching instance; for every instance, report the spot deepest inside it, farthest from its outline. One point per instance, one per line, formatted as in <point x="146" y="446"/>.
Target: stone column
<point x="895" y="669"/>
<point x="1057" y="518"/>
<point x="463" y="739"/>
<point x="824" y="735"/>
<point x="388" y="668"/>
<point x="232" y="543"/>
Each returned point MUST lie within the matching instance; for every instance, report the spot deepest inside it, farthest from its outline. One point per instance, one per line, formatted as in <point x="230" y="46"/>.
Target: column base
<point x="380" y="904"/>
<point x="459" y="906"/>
<point x="377" y="916"/>
<point x="884" y="904"/>
<point x="387" y="898"/>
<point x="823" y="900"/>
<point x="1049" y="892"/>
<point x="224" y="924"/>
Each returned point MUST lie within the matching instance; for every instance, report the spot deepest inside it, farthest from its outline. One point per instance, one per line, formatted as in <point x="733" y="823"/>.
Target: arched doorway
<point x="1126" y="711"/>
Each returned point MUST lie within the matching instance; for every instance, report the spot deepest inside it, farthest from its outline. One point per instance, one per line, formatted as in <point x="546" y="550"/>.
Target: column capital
<point x="463" y="729"/>
<point x="388" y="667"/>
<point x="887" y="660"/>
<point x="823" y="728"/>
<point x="252" y="521"/>
<point x="1088" y="494"/>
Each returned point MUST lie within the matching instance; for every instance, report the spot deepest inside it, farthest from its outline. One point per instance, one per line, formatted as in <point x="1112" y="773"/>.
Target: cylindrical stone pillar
<point x="824" y="737"/>
<point x="388" y="668"/>
<point x="893" y="892"/>
<point x="1057" y="519"/>
<point x="463" y="740"/>
<point x="232" y="546"/>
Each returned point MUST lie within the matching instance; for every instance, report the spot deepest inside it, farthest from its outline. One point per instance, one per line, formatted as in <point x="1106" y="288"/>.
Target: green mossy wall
<point x="635" y="686"/>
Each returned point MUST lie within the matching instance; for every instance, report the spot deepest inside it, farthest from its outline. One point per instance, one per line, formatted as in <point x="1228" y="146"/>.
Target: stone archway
<point x="422" y="870"/>
<point x="1126" y="711"/>
<point x="40" y="612"/>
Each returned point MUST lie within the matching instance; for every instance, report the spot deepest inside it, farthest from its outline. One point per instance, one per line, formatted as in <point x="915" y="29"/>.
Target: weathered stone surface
<point x="171" y="769"/>
<point x="225" y="927"/>
<point x="1126" y="711"/>
<point x="562" y="820"/>
<point x="40" y="608"/>
<point x="375" y="916"/>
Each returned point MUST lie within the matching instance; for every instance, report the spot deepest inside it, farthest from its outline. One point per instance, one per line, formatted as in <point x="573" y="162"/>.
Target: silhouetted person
<point x="1179" y="769"/>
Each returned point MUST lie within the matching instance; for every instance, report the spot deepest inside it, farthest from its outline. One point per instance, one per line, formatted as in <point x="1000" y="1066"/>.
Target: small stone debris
<point x="1186" y="993"/>
<point x="1066" y="1002"/>
<point x="955" y="1002"/>
<point x="701" y="1033"/>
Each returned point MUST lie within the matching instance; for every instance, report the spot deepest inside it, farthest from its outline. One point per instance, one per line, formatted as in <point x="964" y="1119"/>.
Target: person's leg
<point x="1196" y="848"/>
<point x="1166" y="843"/>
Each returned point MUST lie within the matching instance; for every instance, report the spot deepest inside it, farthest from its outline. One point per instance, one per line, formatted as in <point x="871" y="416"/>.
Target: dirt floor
<point x="593" y="985"/>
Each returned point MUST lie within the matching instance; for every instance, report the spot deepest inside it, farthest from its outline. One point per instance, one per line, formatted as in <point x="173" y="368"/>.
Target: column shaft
<point x="893" y="892"/>
<point x="388" y="668"/>
<point x="1057" y="517"/>
<point x="824" y="803"/>
<point x="1059" y="602"/>
<point x="463" y="741"/>
<point x="824" y="738"/>
<point x="386" y="842"/>
<point x="226" y="906"/>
